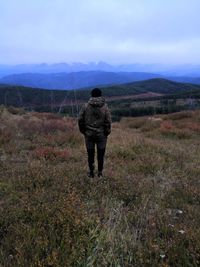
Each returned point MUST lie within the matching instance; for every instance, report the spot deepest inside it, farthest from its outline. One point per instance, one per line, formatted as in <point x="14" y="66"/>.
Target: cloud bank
<point x="117" y="31"/>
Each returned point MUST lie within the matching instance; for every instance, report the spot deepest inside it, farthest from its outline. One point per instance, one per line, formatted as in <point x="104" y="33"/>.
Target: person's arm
<point x="107" y="122"/>
<point x="81" y="120"/>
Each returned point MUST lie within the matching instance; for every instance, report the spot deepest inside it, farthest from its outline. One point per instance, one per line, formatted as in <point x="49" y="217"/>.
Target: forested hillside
<point x="132" y="99"/>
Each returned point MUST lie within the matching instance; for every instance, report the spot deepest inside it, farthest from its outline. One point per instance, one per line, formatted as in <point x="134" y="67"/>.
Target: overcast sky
<point x="115" y="31"/>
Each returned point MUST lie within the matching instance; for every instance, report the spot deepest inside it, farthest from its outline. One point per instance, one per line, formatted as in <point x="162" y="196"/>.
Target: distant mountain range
<point x="75" y="80"/>
<point x="190" y="70"/>
<point x="85" y="79"/>
<point x="40" y="98"/>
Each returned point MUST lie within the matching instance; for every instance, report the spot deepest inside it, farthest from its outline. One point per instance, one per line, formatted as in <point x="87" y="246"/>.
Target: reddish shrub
<point x="54" y="125"/>
<point x="168" y="129"/>
<point x="166" y="125"/>
<point x="50" y="153"/>
<point x="37" y="126"/>
<point x="30" y="127"/>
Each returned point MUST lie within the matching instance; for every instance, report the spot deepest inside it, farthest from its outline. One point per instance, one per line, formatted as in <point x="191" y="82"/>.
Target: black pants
<point x="100" y="143"/>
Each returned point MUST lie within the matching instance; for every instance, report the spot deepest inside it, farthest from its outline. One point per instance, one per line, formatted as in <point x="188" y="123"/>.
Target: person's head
<point x="96" y="92"/>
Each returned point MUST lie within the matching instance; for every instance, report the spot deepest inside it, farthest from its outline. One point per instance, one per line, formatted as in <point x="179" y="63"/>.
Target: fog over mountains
<point x="75" y="80"/>
<point x="163" y="69"/>
<point x="79" y="75"/>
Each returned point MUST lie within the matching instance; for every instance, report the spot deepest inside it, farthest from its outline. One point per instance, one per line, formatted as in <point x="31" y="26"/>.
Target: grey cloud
<point x="85" y="30"/>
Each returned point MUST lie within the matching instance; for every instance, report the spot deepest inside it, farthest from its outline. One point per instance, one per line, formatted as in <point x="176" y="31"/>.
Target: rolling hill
<point x="32" y="98"/>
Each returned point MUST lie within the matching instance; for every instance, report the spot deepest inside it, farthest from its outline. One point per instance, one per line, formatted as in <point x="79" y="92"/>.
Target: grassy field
<point x="144" y="212"/>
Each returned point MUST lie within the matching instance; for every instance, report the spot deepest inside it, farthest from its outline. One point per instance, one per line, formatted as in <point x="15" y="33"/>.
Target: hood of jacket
<point x="96" y="101"/>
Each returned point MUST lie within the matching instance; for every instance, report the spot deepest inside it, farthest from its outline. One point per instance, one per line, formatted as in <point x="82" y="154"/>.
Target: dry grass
<point x="144" y="212"/>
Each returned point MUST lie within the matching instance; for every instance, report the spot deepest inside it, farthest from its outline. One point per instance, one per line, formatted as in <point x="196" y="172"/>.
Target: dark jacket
<point x="94" y="118"/>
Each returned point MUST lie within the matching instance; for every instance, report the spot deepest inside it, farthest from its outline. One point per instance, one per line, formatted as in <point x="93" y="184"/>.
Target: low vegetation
<point x="143" y="212"/>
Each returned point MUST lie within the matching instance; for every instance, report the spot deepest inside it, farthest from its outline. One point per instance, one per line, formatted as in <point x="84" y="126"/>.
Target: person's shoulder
<point x="84" y="106"/>
<point x="106" y="105"/>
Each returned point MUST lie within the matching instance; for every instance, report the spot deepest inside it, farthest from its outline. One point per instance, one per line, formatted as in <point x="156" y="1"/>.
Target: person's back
<point x="96" y="117"/>
<point x="95" y="123"/>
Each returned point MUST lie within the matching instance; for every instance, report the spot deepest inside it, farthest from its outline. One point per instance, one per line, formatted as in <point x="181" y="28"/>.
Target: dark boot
<point x="100" y="158"/>
<point x="91" y="174"/>
<point x="91" y="162"/>
<point x="100" y="174"/>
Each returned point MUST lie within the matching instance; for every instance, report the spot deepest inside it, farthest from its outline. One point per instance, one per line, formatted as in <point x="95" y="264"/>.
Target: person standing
<point x="95" y="124"/>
